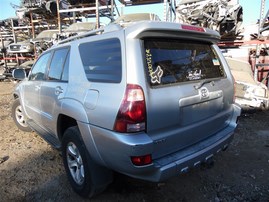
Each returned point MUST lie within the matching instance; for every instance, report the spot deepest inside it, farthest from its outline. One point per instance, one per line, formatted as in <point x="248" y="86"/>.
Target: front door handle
<point x="58" y="90"/>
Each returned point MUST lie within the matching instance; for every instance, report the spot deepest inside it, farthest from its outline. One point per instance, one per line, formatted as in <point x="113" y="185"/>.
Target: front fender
<point x="18" y="94"/>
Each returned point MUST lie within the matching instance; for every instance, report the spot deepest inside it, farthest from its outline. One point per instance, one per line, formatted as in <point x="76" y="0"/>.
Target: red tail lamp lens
<point x="142" y="160"/>
<point x="132" y="113"/>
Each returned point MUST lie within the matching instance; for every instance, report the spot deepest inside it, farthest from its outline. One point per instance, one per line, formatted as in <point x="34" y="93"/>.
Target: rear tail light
<point x="141" y="160"/>
<point x="132" y="113"/>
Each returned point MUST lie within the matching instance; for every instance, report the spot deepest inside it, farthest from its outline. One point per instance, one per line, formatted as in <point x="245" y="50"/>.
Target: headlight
<point x="26" y="47"/>
<point x="260" y="92"/>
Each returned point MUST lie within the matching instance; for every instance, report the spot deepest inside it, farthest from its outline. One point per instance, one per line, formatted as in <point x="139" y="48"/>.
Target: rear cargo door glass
<point x="171" y="61"/>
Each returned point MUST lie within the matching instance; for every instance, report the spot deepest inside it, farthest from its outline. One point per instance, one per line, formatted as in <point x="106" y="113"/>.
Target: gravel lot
<point x="30" y="170"/>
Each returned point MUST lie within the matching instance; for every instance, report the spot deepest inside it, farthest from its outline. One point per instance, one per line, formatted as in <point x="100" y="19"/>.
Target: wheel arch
<point x="64" y="122"/>
<point x="72" y="114"/>
<point x="97" y="178"/>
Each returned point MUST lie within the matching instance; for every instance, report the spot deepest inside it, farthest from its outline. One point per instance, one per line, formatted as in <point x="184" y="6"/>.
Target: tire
<point x="19" y="117"/>
<point x="85" y="176"/>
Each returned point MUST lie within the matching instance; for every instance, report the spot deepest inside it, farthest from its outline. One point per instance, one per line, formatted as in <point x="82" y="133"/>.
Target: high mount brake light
<point x="193" y="28"/>
<point x="132" y="112"/>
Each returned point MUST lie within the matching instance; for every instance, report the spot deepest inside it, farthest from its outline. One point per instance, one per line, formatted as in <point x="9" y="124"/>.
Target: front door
<point x="33" y="86"/>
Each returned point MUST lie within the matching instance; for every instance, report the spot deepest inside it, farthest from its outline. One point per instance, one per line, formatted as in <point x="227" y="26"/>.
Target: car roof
<point x="135" y="17"/>
<point x="137" y="28"/>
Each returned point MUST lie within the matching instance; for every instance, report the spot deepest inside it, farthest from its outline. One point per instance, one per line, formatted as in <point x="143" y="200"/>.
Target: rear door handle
<point x="58" y="90"/>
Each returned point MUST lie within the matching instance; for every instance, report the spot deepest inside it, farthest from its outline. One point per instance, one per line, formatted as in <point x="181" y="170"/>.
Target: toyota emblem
<point x="204" y="93"/>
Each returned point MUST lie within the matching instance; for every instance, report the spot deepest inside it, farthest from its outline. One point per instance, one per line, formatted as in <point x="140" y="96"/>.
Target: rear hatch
<point x="189" y="94"/>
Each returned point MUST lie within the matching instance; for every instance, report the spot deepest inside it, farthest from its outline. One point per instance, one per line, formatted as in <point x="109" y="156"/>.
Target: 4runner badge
<point x="204" y="93"/>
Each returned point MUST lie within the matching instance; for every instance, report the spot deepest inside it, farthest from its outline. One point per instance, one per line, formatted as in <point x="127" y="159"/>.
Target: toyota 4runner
<point x="150" y="100"/>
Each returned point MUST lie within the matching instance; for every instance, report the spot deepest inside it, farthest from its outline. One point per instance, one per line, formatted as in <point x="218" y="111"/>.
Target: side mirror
<point x="19" y="74"/>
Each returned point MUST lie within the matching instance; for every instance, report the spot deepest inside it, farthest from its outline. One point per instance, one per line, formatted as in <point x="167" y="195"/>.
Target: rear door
<point x="187" y="83"/>
<point x="53" y="88"/>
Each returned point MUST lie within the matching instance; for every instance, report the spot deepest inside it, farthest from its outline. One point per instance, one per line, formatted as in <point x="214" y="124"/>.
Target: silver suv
<point x="150" y="100"/>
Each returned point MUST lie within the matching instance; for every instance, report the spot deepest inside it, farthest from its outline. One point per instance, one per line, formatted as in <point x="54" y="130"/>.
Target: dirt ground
<point x="31" y="170"/>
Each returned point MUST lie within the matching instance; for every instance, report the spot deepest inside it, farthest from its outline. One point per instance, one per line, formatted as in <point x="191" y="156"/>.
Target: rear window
<point x="173" y="61"/>
<point x="102" y="60"/>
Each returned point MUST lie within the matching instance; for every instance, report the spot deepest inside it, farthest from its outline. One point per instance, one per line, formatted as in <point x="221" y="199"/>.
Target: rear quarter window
<point x="102" y="60"/>
<point x="174" y="61"/>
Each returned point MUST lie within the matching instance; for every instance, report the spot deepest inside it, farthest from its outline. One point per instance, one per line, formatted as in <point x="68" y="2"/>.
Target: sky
<point x="251" y="9"/>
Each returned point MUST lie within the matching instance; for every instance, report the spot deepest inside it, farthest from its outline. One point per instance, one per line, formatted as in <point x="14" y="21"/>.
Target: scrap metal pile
<point x="223" y="16"/>
<point x="226" y="17"/>
<point x="35" y="28"/>
<point x="39" y="9"/>
<point x="47" y="9"/>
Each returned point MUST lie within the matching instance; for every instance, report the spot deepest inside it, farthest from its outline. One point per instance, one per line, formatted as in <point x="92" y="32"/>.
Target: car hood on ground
<point x="241" y="71"/>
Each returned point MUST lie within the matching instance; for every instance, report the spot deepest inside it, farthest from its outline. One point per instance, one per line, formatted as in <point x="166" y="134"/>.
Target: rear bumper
<point x="114" y="150"/>
<point x="183" y="161"/>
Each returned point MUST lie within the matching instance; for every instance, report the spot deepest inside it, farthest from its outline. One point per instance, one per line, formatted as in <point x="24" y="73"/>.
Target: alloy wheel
<point x="75" y="163"/>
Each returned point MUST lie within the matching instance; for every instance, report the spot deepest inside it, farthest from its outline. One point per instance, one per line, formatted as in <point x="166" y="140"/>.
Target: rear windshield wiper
<point x="201" y="83"/>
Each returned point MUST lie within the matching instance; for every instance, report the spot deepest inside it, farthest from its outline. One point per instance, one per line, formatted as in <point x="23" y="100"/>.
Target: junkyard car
<point x="249" y="94"/>
<point x="21" y="47"/>
<point x="44" y="40"/>
<point x="150" y="100"/>
<point x="76" y="28"/>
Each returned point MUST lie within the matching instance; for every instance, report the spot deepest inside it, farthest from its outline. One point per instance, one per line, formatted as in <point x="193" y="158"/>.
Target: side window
<point x="57" y="64"/>
<point x="39" y="69"/>
<point x="102" y="60"/>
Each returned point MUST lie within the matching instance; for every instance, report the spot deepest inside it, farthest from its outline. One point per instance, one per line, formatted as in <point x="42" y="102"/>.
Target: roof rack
<point x="87" y="34"/>
<point x="107" y="28"/>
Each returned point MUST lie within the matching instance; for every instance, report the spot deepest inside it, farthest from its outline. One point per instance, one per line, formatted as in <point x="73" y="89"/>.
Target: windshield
<point x="173" y="61"/>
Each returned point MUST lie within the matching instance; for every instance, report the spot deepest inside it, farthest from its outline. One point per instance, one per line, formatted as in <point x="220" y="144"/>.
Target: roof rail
<point x="108" y="28"/>
<point x="80" y="36"/>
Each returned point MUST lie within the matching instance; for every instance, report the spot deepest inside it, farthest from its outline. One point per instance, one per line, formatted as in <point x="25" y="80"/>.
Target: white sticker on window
<point x="156" y="75"/>
<point x="195" y="75"/>
<point x="216" y="62"/>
